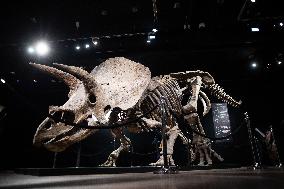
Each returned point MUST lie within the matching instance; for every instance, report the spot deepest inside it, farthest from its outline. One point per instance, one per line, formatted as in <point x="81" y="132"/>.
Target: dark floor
<point x="240" y="178"/>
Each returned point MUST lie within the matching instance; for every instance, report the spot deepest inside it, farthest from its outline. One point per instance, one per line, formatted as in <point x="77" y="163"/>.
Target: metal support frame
<point x="279" y="164"/>
<point x="78" y="160"/>
<point x="54" y="160"/>
<point x="254" y="149"/>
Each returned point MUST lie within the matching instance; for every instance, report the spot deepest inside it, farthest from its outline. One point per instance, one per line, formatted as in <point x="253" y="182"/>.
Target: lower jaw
<point x="54" y="148"/>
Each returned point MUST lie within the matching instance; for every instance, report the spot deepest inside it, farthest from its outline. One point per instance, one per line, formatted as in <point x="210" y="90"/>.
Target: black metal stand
<point x="131" y="160"/>
<point x="257" y="151"/>
<point x="279" y="164"/>
<point x="78" y="160"/>
<point x="255" y="155"/>
<point x="166" y="169"/>
<point x="54" y="160"/>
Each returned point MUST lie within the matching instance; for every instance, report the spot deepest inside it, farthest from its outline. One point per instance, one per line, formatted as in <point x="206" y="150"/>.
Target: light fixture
<point x="152" y="37"/>
<point x="31" y="50"/>
<point x="134" y="9"/>
<point x="3" y="81"/>
<point x="255" y="29"/>
<point x="42" y="48"/>
<point x="148" y="41"/>
<point x="95" y="42"/>
<point x="77" y="47"/>
<point x="176" y="5"/>
<point x="201" y="25"/>
<point x="87" y="46"/>
<point x="254" y="65"/>
<point x="154" y="30"/>
<point x="279" y="62"/>
<point x="253" y="1"/>
<point x="281" y="24"/>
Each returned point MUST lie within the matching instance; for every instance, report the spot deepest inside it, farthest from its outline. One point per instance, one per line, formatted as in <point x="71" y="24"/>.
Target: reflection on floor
<point x="239" y="178"/>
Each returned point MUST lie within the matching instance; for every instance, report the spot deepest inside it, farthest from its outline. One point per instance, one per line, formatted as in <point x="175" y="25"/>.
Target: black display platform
<point x="234" y="178"/>
<point x="108" y="170"/>
<point x="83" y="170"/>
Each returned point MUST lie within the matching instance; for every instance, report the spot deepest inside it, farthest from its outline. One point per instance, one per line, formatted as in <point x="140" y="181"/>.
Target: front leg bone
<point x="125" y="145"/>
<point x="173" y="133"/>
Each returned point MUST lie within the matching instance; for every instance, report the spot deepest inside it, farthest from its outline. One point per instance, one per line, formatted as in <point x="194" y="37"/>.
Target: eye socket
<point x="68" y="116"/>
<point x="57" y="115"/>
<point x="48" y="125"/>
<point x="108" y="107"/>
<point x="92" y="98"/>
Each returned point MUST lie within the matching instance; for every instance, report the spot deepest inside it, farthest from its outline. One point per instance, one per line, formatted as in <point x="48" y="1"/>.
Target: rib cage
<point x="170" y="90"/>
<point x="218" y="92"/>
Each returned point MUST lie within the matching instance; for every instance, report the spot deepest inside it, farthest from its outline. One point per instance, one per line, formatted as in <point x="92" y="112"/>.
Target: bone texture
<point x="124" y="90"/>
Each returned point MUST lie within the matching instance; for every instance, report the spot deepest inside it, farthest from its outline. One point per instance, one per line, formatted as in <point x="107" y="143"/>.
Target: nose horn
<point x="38" y="137"/>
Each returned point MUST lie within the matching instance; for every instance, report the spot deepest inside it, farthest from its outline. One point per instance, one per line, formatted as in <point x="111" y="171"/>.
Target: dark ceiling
<point x="26" y="20"/>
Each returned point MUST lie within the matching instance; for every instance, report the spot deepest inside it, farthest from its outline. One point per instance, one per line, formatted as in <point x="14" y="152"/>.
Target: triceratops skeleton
<point x="120" y="89"/>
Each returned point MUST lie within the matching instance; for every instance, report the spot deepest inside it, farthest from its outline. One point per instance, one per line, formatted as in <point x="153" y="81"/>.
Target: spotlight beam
<point x="42" y="48"/>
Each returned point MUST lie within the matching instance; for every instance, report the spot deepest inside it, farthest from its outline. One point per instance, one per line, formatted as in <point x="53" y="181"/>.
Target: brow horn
<point x="88" y="81"/>
<point x="67" y="78"/>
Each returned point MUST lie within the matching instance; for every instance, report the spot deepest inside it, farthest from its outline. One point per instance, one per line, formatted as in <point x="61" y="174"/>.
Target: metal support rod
<point x="189" y="163"/>
<point x="114" y="143"/>
<point x="155" y="12"/>
<point x="54" y="160"/>
<point x="164" y="123"/>
<point x="242" y="11"/>
<point x="279" y="164"/>
<point x="251" y="140"/>
<point x="131" y="161"/>
<point x="257" y="151"/>
<point x="78" y="160"/>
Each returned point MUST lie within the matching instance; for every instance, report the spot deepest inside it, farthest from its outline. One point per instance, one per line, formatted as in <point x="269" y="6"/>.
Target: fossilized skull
<point x="117" y="83"/>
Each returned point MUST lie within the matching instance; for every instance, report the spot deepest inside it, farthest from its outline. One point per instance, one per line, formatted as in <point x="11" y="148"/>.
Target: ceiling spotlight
<point x="31" y="50"/>
<point x="176" y="5"/>
<point x="148" y="41"/>
<point x="255" y="29"/>
<point x="77" y="47"/>
<point x="87" y="46"/>
<point x="104" y="12"/>
<point x="3" y="81"/>
<point x="253" y="1"/>
<point x="279" y="62"/>
<point x="134" y="9"/>
<point x="42" y="48"/>
<point x="201" y="25"/>
<point x="254" y="65"/>
<point x="281" y="24"/>
<point x="35" y="81"/>
<point x="152" y="37"/>
<point x="95" y="42"/>
<point x="154" y="30"/>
